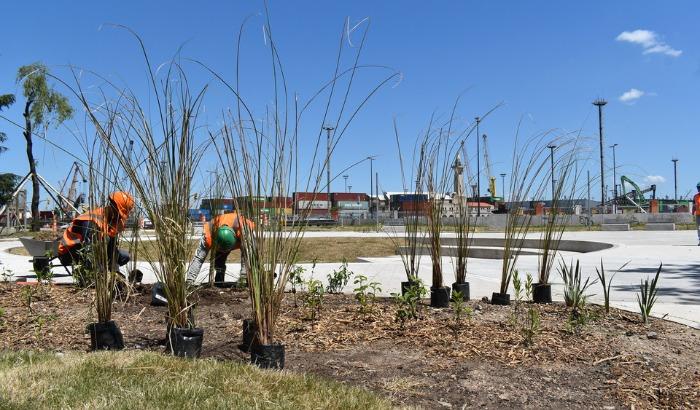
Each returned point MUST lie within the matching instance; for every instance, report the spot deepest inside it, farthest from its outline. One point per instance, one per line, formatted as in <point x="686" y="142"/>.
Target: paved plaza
<point x="679" y="294"/>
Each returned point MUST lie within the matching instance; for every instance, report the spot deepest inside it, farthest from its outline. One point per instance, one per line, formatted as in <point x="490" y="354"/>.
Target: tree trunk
<point x="36" y="224"/>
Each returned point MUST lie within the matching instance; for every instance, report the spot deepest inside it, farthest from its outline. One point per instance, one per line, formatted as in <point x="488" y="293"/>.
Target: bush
<point x="339" y="278"/>
<point x="409" y="302"/>
<point x="366" y="293"/>
<point x="313" y="298"/>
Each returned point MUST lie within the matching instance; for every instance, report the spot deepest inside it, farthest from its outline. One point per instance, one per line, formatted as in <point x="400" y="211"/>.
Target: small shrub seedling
<point x="647" y="296"/>
<point x="339" y="278"/>
<point x="409" y="302"/>
<point x="460" y="311"/>
<point x="575" y="295"/>
<point x="313" y="298"/>
<point x="295" y="281"/>
<point x="366" y="293"/>
<point x="528" y="321"/>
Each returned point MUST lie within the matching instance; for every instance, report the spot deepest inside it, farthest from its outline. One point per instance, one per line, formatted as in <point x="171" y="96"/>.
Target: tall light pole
<point x="600" y="103"/>
<point x="478" y="169"/>
<point x="371" y="160"/>
<point x="345" y="177"/>
<point x="328" y="167"/>
<point x="551" y="160"/>
<point x="675" y="179"/>
<point x="503" y="186"/>
<point x="614" y="178"/>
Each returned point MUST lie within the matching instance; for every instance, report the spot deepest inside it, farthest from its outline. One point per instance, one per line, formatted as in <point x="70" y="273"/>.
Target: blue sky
<point x="544" y="60"/>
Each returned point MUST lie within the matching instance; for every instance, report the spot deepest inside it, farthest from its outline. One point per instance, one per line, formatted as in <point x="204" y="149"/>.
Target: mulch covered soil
<point x="613" y="361"/>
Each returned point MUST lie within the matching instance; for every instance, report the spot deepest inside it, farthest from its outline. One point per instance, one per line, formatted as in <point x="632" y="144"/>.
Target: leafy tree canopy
<point x="8" y="182"/>
<point x="45" y="102"/>
<point x="5" y="101"/>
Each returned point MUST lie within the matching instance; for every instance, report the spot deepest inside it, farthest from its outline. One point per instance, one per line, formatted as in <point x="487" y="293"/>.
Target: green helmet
<point x="225" y="238"/>
<point x="698" y="185"/>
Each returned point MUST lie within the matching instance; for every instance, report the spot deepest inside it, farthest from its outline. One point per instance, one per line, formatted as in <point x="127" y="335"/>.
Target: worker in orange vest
<point x="222" y="234"/>
<point x="696" y="211"/>
<point x="97" y="224"/>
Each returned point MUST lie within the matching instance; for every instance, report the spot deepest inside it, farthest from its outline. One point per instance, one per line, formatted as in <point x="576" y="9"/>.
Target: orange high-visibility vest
<point x="696" y="201"/>
<point x="72" y="238"/>
<point x="232" y="220"/>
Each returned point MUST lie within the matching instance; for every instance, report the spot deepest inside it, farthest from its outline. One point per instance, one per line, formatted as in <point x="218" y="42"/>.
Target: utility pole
<point x="478" y="169"/>
<point x="614" y="178"/>
<point x="503" y="186"/>
<point x="551" y="160"/>
<point x="376" y="209"/>
<point x="345" y="177"/>
<point x="675" y="179"/>
<point x="328" y="167"/>
<point x="371" y="185"/>
<point x="600" y="103"/>
<point x="588" y="201"/>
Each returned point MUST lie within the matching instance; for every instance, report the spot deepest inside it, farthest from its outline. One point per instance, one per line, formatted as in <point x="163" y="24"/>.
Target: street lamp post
<point x="503" y="186"/>
<point x="478" y="169"/>
<point x="675" y="179"/>
<point x="600" y="103"/>
<point x="371" y="183"/>
<point x="614" y="178"/>
<point x="328" y="168"/>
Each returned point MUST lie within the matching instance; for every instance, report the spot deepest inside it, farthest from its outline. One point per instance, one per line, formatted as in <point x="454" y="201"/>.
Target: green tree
<point x="43" y="106"/>
<point x="5" y="101"/>
<point x="7" y="181"/>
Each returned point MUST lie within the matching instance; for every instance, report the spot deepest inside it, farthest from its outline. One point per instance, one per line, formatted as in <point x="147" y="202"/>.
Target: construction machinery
<point x="634" y="198"/>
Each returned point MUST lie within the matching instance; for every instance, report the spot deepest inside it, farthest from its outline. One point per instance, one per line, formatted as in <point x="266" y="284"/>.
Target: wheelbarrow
<point x="42" y="253"/>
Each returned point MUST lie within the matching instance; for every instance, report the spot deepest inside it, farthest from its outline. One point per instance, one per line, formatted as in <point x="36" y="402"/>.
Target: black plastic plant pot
<point x="462" y="288"/>
<point x="249" y="331"/>
<point x="267" y="356"/>
<point x="105" y="336"/>
<point x="405" y="286"/>
<point x="158" y="295"/>
<point x="542" y="293"/>
<point x="186" y="342"/>
<point x="440" y="297"/>
<point x="502" y="299"/>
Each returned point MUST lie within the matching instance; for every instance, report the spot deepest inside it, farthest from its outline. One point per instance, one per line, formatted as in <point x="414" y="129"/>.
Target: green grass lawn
<point x="131" y="380"/>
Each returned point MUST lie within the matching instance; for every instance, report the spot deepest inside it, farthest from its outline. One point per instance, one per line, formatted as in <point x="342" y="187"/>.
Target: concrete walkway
<point x="679" y="293"/>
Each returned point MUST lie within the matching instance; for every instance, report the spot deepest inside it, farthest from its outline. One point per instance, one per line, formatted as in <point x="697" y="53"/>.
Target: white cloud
<point x="649" y="41"/>
<point x="631" y="96"/>
<point x="654" y="179"/>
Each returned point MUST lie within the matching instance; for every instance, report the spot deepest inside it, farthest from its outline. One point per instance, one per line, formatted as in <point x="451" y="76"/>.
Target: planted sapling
<point x="339" y="278"/>
<point x="409" y="302"/>
<point x="647" y="296"/>
<point x="460" y="311"/>
<point x="295" y="281"/>
<point x="366" y="293"/>
<point x="313" y="298"/>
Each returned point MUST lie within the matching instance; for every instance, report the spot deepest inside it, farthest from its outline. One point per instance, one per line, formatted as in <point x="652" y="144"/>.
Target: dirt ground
<point x="612" y="362"/>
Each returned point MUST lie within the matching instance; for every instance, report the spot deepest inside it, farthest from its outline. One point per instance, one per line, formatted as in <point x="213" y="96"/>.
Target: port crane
<point x="72" y="199"/>
<point x="468" y="168"/>
<point x="489" y="171"/>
